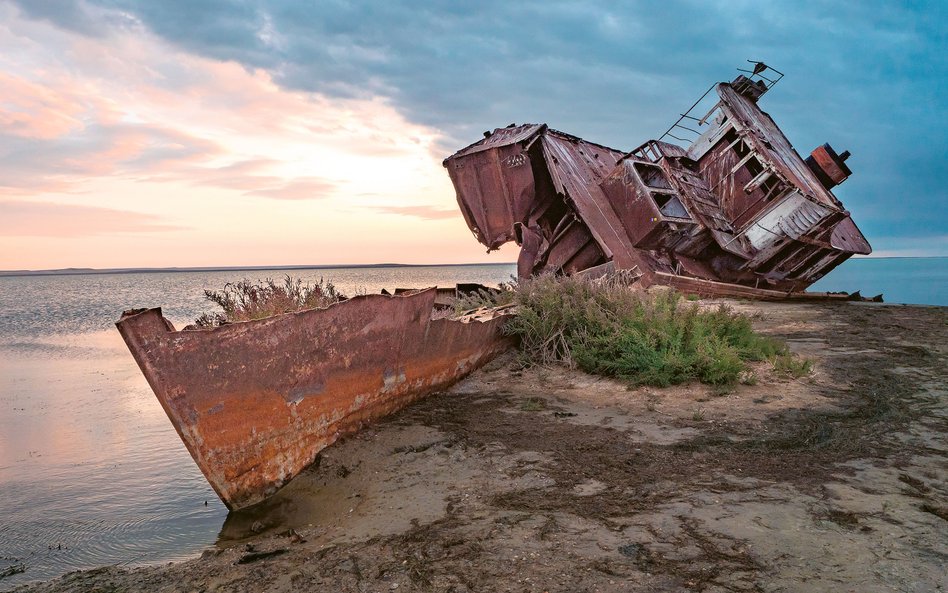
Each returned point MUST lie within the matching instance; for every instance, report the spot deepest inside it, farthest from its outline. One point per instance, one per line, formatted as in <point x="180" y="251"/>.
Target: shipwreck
<point x="734" y="212"/>
<point x="256" y="401"/>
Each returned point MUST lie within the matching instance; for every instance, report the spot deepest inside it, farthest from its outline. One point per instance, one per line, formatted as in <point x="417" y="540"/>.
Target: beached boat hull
<point x="255" y="402"/>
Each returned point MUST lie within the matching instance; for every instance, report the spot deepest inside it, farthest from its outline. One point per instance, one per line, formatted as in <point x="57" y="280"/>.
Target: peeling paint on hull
<point x="255" y="402"/>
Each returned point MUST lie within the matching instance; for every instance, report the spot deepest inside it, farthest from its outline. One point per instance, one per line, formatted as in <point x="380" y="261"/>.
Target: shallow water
<point x="91" y="470"/>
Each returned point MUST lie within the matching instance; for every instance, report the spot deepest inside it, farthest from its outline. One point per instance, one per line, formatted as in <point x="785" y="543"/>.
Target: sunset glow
<point x="135" y="154"/>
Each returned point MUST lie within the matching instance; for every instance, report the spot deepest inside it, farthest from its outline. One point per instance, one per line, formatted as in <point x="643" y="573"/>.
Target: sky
<point x="136" y="133"/>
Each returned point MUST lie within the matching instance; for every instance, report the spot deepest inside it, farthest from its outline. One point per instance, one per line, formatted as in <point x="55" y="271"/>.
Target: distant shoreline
<point x="92" y="271"/>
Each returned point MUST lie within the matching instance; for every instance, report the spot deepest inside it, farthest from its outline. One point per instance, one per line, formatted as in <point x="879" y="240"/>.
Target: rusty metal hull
<point x="255" y="402"/>
<point x="737" y="211"/>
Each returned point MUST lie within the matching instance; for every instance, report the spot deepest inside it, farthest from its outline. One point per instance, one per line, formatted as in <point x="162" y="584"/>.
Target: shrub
<point x="655" y="339"/>
<point x="790" y="367"/>
<point x="245" y="300"/>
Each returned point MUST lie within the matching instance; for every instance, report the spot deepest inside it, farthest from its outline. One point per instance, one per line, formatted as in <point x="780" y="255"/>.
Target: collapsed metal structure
<point x="736" y="213"/>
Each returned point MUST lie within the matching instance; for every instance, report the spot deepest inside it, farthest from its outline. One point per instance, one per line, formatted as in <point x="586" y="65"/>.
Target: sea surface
<point x="900" y="280"/>
<point x="91" y="470"/>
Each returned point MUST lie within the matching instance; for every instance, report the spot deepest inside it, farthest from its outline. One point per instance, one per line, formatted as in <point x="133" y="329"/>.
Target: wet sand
<point x="552" y="480"/>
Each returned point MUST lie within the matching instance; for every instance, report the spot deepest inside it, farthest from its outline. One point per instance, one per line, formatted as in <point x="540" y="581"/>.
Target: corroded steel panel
<point x="502" y="137"/>
<point x="577" y="168"/>
<point x="495" y="184"/>
<point x="847" y="237"/>
<point x="255" y="402"/>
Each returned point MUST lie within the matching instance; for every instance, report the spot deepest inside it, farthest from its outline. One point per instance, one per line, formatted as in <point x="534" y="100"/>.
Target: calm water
<point x="91" y="470"/>
<point x="911" y="280"/>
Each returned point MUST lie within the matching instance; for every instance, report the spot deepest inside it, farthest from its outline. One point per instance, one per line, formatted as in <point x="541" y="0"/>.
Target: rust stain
<point x="735" y="211"/>
<point x="255" y="402"/>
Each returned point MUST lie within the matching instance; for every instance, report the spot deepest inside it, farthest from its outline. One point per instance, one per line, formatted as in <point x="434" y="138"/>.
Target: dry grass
<point x="492" y="297"/>
<point x="246" y="300"/>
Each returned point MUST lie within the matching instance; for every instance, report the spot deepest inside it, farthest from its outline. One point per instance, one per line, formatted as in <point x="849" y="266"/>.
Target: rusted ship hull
<point x="736" y="212"/>
<point x="255" y="402"/>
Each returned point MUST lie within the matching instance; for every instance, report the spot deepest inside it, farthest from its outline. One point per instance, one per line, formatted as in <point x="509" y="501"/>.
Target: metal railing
<point x="761" y="72"/>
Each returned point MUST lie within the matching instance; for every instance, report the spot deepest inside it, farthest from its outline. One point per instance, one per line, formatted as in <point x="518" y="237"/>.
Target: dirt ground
<point x="551" y="480"/>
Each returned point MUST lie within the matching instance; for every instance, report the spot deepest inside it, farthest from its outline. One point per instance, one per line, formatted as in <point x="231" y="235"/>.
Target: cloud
<point x="48" y="219"/>
<point x="74" y="15"/>
<point x="40" y="165"/>
<point x="895" y="246"/>
<point x="75" y="109"/>
<point x="866" y="76"/>
<point x="422" y="212"/>
<point x="297" y="189"/>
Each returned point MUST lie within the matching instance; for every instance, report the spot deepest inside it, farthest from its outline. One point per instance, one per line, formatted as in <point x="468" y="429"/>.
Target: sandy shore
<point x="549" y="480"/>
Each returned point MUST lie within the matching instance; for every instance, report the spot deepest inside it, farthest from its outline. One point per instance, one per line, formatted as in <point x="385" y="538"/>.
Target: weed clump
<point x="646" y="339"/>
<point x="791" y="367"/>
<point x="505" y="294"/>
<point x="246" y="300"/>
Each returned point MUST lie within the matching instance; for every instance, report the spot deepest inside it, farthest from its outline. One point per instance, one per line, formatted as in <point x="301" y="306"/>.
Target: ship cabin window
<point x="652" y="176"/>
<point x="670" y="205"/>
<point x="753" y="166"/>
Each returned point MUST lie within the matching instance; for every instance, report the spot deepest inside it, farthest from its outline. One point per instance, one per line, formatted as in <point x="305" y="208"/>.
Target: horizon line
<point x="147" y="270"/>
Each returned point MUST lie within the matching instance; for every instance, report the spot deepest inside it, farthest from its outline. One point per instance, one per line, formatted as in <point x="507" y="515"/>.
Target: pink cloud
<point x="48" y="219"/>
<point x="135" y="108"/>
<point x="305" y="188"/>
<point x="30" y="166"/>
<point x="33" y="110"/>
<point x="423" y="212"/>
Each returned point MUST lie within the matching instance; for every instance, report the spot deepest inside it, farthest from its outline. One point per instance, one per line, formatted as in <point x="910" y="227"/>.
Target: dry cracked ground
<point x="551" y="480"/>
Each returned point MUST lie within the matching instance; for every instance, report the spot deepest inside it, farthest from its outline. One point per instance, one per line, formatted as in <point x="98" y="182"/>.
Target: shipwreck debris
<point x="734" y="212"/>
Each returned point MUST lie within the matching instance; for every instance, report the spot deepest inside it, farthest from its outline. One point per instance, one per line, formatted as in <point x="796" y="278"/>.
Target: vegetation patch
<point x="791" y="367"/>
<point x="646" y="339"/>
<point x="246" y="300"/>
<point x="492" y="297"/>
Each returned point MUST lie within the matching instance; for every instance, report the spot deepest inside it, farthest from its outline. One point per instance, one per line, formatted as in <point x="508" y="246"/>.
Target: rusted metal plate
<point x="577" y="167"/>
<point x="255" y="402"/>
<point x="502" y="137"/>
<point x="829" y="167"/>
<point x="495" y="183"/>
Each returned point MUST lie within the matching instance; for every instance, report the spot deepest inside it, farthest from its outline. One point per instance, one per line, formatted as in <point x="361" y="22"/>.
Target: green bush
<point x="647" y="339"/>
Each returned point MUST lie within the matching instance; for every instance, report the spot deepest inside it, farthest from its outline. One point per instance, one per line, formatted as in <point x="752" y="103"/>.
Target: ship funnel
<point x="830" y="168"/>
